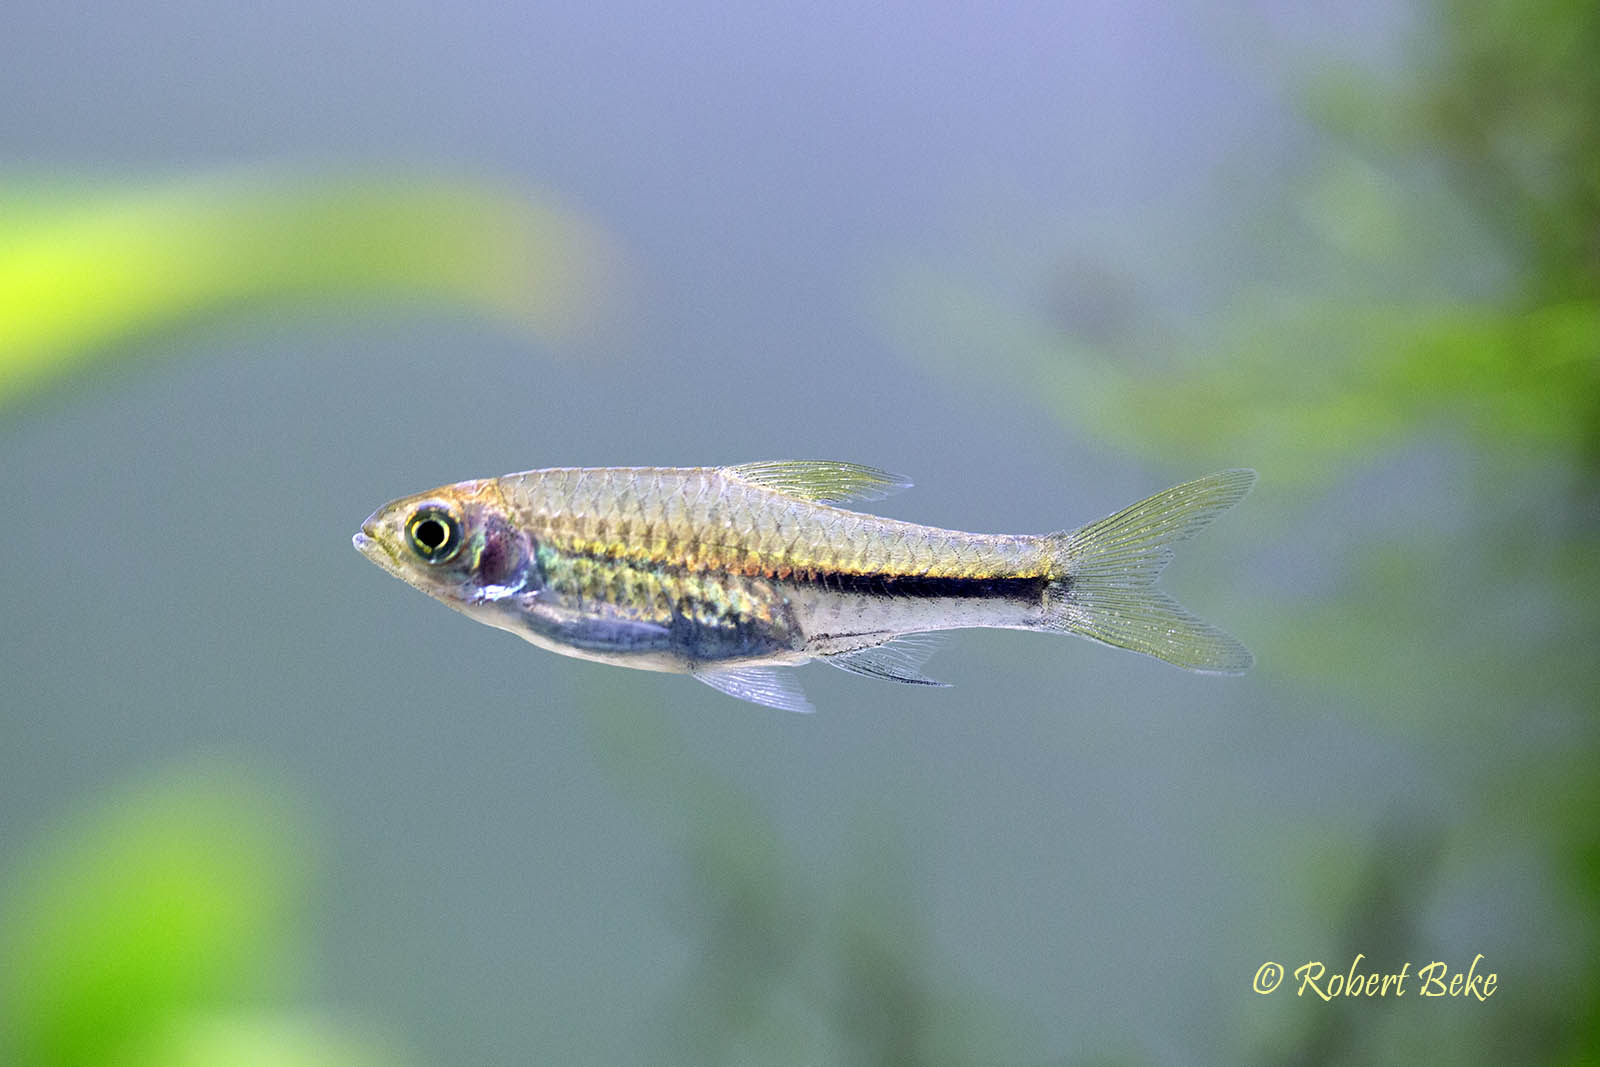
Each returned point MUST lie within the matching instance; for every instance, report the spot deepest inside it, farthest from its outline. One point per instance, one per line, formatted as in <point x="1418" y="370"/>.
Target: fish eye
<point x="434" y="534"/>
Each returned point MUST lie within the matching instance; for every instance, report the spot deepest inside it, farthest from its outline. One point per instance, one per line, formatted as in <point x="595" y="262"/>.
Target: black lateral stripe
<point x="1029" y="590"/>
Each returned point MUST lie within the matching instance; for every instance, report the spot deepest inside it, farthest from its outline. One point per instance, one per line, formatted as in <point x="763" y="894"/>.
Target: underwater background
<point x="262" y="270"/>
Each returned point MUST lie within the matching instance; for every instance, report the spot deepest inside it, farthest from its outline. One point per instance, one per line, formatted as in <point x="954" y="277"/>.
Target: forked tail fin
<point x="1103" y="583"/>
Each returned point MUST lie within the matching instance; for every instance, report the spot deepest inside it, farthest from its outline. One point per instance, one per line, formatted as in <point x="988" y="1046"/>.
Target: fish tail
<point x="1102" y="577"/>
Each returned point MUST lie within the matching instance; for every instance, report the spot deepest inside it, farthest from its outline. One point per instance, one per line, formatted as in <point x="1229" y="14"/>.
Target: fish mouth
<point x="366" y="541"/>
<point x="369" y="544"/>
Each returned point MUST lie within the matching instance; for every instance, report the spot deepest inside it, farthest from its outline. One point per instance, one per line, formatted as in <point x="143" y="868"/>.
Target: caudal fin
<point x="1104" y="575"/>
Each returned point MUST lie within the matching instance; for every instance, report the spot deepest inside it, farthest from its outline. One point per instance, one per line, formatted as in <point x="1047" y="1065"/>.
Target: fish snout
<point x="367" y="541"/>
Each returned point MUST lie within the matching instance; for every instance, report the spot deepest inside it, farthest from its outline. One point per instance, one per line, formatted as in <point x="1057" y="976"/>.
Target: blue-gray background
<point x="1074" y="853"/>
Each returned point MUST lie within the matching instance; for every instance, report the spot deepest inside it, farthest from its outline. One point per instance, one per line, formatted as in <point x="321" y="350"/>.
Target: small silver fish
<point x="725" y="573"/>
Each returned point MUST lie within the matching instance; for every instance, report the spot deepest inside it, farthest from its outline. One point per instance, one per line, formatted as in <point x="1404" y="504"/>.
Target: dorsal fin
<point x="821" y="480"/>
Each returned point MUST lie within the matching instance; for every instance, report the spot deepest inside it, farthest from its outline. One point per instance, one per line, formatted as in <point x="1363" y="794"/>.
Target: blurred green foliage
<point x="797" y="963"/>
<point x="84" y="269"/>
<point x="1365" y="330"/>
<point x="165" y="927"/>
<point x="1432" y="276"/>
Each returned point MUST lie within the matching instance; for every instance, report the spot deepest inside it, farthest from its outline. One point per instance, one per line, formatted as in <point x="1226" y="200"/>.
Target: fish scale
<point x="729" y="572"/>
<point x="739" y="528"/>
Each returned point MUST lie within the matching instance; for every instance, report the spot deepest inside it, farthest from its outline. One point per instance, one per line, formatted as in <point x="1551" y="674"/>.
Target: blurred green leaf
<point x="80" y="270"/>
<point x="175" y="900"/>
<point x="262" y="1040"/>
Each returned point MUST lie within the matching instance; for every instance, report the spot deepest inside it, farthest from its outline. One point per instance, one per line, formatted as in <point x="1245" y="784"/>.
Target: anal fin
<point x="899" y="660"/>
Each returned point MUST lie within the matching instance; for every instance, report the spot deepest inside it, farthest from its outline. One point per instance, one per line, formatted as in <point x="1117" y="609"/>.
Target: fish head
<point x="456" y="543"/>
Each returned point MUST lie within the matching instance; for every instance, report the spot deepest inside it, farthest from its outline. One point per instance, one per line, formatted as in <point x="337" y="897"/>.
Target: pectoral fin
<point x="759" y="685"/>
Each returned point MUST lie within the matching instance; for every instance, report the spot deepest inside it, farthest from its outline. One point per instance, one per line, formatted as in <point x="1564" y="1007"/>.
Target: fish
<point x="732" y="574"/>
